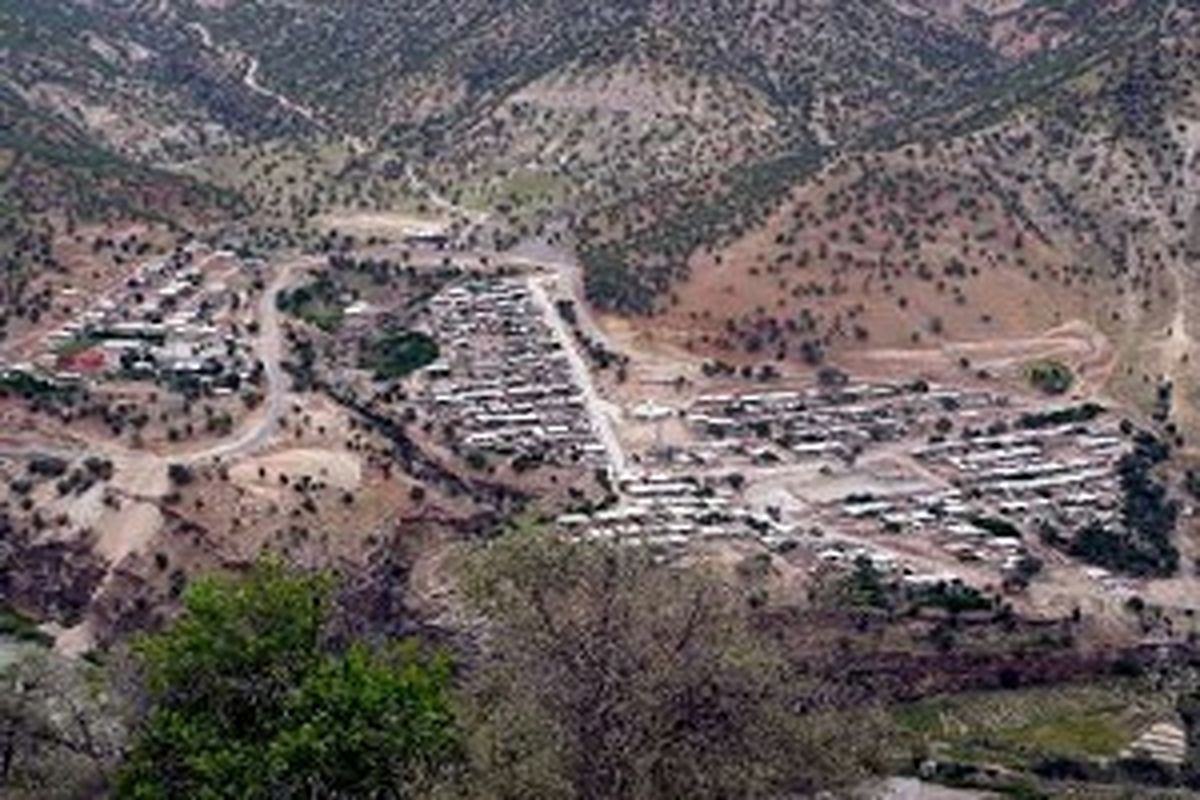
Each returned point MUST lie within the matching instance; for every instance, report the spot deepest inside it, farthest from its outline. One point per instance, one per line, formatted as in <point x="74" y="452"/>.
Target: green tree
<point x="248" y="700"/>
<point x="1051" y="377"/>
<point x="608" y="676"/>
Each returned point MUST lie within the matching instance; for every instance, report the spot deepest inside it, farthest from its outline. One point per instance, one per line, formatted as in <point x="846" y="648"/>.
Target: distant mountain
<point x="660" y="129"/>
<point x="1106" y="73"/>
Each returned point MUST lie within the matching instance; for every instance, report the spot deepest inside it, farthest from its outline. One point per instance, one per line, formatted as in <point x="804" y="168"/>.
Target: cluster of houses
<point x="504" y="384"/>
<point x="945" y="517"/>
<point x="966" y="479"/>
<point x="993" y="493"/>
<point x="668" y="511"/>
<point x="169" y="322"/>
<point x="1063" y="476"/>
<point x="843" y="554"/>
<point x="824" y="422"/>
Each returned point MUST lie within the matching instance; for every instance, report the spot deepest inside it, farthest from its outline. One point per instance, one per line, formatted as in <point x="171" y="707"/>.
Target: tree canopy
<point x="610" y="676"/>
<point x="248" y="699"/>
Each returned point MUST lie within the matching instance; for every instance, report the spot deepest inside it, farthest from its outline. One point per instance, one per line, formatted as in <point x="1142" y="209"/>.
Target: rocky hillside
<point x="1064" y="195"/>
<point x="666" y="130"/>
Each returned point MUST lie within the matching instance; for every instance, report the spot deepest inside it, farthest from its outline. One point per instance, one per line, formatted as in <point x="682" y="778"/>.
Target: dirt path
<point x="1167" y="354"/>
<point x="1077" y="342"/>
<point x="439" y="200"/>
<point x="250" y="79"/>
<point x="270" y="348"/>
<point x="205" y="37"/>
<point x="251" y="82"/>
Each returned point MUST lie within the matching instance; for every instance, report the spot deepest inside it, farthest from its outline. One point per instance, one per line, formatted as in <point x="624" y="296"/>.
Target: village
<point x="504" y="384"/>
<point x="184" y="322"/>
<point x="928" y="483"/>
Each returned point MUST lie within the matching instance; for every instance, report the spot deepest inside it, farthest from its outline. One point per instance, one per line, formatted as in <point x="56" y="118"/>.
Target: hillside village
<point x="638" y="403"/>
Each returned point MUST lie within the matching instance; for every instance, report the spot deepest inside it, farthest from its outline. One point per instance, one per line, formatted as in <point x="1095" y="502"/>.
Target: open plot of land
<point x="1018" y="728"/>
<point x="340" y="469"/>
<point x="384" y="224"/>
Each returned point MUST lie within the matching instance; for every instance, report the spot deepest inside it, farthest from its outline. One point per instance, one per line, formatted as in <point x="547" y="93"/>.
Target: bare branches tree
<point x="61" y="733"/>
<point x="608" y="676"/>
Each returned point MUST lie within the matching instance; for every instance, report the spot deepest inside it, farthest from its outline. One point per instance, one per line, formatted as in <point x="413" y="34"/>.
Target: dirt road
<point x="270" y="349"/>
<point x="604" y="414"/>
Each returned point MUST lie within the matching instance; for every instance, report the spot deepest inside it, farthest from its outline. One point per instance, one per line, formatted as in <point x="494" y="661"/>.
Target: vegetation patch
<point x="398" y="354"/>
<point x="246" y="699"/>
<point x="75" y="346"/>
<point x="1022" y="728"/>
<point x="316" y="303"/>
<point x="30" y="387"/>
<point x="17" y="626"/>
<point x="1142" y="545"/>
<point x="996" y="526"/>
<point x="954" y="598"/>
<point x="1063" y="416"/>
<point x="1051" y="377"/>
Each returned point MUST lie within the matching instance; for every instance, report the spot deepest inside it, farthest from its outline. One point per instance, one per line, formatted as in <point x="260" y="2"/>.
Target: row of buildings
<point x="503" y="384"/>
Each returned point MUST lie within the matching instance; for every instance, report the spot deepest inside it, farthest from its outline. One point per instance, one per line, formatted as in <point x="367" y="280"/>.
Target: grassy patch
<point x="75" y="346"/>
<point x="30" y="387"/>
<point x="398" y="354"/>
<point x="1098" y="735"/>
<point x="17" y="626"/>
<point x="1021" y="727"/>
<point x="317" y="304"/>
<point x="326" y="316"/>
<point x="517" y="194"/>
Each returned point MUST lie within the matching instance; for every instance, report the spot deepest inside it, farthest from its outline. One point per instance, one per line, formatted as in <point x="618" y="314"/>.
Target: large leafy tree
<point x="247" y="700"/>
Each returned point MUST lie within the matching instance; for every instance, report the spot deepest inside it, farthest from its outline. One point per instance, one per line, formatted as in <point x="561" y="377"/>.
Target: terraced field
<point x="1018" y="729"/>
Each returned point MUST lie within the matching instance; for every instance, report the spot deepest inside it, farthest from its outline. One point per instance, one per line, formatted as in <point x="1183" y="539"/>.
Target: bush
<point x="996" y="526"/>
<point x="180" y="474"/>
<point x="48" y="466"/>
<point x="398" y="354"/>
<point x="1051" y="377"/>
<point x="1063" y="416"/>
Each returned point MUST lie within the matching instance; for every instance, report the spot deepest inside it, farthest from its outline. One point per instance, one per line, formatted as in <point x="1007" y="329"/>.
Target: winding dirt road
<point x="252" y="437"/>
<point x="270" y="349"/>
